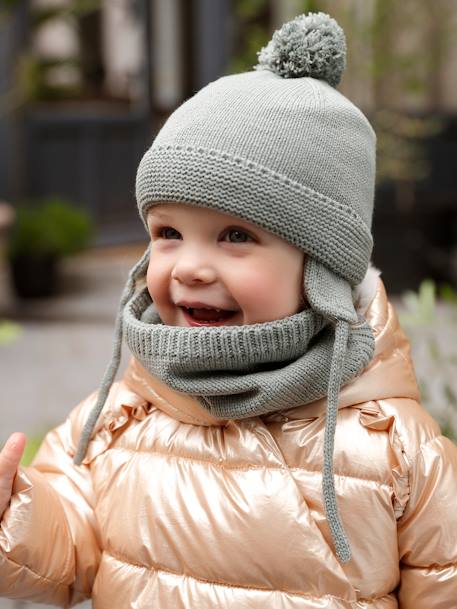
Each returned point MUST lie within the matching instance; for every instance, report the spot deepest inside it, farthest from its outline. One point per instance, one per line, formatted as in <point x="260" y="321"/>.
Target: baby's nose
<point x="193" y="269"/>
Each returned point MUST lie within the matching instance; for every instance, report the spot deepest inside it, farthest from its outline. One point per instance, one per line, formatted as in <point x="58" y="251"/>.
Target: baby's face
<point x="208" y="268"/>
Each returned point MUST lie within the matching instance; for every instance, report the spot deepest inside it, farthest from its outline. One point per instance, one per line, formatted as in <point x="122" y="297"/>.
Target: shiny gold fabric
<point x="174" y="509"/>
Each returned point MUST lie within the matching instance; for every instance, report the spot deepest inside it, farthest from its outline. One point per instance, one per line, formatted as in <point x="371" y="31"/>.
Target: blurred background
<point x="84" y="87"/>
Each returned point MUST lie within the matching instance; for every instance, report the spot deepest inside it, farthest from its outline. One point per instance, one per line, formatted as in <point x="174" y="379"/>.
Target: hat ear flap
<point x="331" y="296"/>
<point x="328" y="293"/>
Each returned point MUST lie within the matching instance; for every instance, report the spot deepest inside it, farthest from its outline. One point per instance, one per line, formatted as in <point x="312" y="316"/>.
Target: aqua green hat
<point x="280" y="147"/>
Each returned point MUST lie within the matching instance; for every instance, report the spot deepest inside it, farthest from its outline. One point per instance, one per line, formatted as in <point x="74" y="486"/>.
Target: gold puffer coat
<point x="176" y="510"/>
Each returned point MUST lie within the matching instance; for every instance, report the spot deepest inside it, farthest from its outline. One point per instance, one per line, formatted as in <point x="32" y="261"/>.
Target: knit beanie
<point x="278" y="146"/>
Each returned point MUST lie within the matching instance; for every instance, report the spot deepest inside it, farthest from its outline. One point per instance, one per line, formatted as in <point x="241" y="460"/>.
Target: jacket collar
<point x="389" y="374"/>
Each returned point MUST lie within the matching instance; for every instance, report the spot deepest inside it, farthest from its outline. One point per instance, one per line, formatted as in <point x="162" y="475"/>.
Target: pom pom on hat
<point x="310" y="45"/>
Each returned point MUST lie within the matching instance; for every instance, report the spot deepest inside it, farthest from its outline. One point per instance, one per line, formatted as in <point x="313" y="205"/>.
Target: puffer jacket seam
<point x="412" y="463"/>
<point x="161" y="568"/>
<point x="338" y="475"/>
<point x="402" y="442"/>
<point x="406" y="360"/>
<point x="422" y="445"/>
<point x="244" y="467"/>
<point x="374" y="599"/>
<point x="432" y="566"/>
<point x="80" y="591"/>
<point x="412" y="460"/>
<point x="35" y="574"/>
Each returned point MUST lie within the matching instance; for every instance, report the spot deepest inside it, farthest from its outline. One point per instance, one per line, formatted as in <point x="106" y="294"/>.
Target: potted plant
<point x="429" y="317"/>
<point x="43" y="232"/>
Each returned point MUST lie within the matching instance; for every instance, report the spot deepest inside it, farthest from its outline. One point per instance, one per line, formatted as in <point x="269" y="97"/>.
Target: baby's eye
<point x="167" y="232"/>
<point x="237" y="235"/>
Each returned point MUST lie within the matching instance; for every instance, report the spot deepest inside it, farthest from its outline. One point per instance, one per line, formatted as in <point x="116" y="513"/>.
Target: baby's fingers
<point x="10" y="458"/>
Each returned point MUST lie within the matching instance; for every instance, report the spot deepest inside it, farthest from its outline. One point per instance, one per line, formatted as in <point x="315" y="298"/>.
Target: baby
<point x="265" y="446"/>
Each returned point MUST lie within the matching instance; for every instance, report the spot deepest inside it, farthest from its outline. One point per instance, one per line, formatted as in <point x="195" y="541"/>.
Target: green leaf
<point x="448" y="431"/>
<point x="434" y="350"/>
<point x="9" y="331"/>
<point x="249" y="9"/>
<point x="450" y="394"/>
<point x="31" y="448"/>
<point x="448" y="294"/>
<point x="420" y="307"/>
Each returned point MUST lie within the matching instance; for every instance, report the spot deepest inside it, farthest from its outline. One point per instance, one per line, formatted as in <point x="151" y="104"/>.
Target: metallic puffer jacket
<point x="176" y="510"/>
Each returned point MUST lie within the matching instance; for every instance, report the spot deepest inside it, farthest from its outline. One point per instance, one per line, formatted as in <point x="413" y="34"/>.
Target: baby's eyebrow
<point x="155" y="213"/>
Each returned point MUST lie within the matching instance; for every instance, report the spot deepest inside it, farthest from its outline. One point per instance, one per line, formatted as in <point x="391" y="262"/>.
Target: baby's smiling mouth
<point x="198" y="314"/>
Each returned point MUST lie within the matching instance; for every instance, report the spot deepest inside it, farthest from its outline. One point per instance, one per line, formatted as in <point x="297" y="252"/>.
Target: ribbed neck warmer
<point x="244" y="371"/>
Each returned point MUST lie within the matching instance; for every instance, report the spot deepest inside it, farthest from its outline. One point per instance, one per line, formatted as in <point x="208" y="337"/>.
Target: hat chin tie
<point x="342" y="547"/>
<point x="136" y="272"/>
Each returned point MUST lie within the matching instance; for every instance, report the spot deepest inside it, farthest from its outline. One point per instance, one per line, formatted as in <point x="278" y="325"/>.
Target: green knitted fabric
<point x="281" y="148"/>
<point x="244" y="371"/>
<point x="292" y="155"/>
<point x="332" y="232"/>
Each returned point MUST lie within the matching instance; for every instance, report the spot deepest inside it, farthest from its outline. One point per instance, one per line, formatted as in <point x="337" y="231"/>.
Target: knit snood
<point x="244" y="371"/>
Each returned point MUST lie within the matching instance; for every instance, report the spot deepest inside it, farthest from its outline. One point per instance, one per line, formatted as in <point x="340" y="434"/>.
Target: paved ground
<point x="64" y="346"/>
<point x="65" y="343"/>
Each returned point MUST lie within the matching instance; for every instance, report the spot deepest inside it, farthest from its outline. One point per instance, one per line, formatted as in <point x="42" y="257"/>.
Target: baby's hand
<point x="10" y="457"/>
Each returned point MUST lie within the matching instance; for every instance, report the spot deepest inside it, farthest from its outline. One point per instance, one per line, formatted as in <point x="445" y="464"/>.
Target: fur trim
<point x="364" y="292"/>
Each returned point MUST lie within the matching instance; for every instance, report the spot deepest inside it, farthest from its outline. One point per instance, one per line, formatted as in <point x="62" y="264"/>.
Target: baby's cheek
<point x="151" y="280"/>
<point x="278" y="290"/>
<point x="263" y="297"/>
<point x="157" y="281"/>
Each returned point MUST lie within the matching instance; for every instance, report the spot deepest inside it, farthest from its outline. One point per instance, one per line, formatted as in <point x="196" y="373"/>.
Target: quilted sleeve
<point x="49" y="542"/>
<point x="427" y="530"/>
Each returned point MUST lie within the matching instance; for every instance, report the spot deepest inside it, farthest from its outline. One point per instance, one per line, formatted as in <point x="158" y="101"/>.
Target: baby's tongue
<point x="210" y="314"/>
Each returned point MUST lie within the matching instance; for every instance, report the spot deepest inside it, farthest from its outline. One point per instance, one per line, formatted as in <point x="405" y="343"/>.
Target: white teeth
<point x="206" y="307"/>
